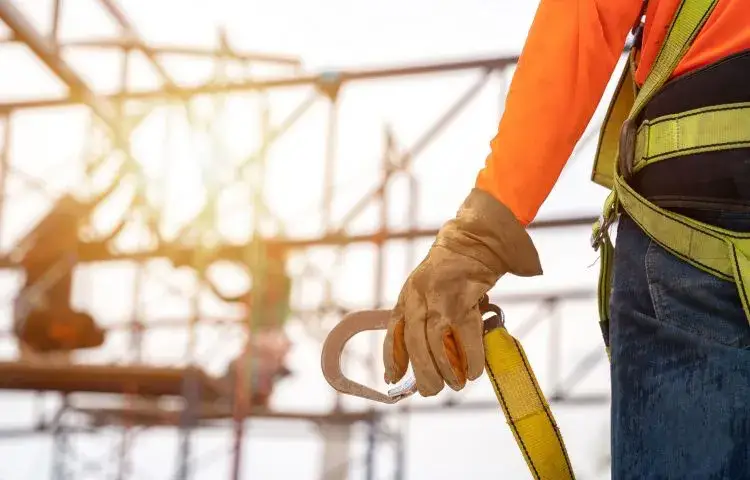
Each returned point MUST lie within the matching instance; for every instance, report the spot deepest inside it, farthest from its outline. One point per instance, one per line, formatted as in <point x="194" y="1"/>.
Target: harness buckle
<point x="599" y="230"/>
<point x="601" y="227"/>
<point x="626" y="148"/>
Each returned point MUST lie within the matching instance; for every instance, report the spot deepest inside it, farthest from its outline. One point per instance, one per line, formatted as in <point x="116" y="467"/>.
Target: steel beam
<point x="48" y="53"/>
<point x="187" y="51"/>
<point x="181" y="255"/>
<point x="137" y="41"/>
<point x="569" y="400"/>
<point x="315" y="79"/>
<point x="334" y="418"/>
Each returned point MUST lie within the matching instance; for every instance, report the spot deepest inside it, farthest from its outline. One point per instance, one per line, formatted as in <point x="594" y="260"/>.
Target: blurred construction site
<point x="194" y="193"/>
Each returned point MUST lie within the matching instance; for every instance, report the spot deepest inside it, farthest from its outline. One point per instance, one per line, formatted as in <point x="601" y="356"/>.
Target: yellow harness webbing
<point x="723" y="253"/>
<point x="707" y="129"/>
<point x="714" y="128"/>
<point x="525" y="407"/>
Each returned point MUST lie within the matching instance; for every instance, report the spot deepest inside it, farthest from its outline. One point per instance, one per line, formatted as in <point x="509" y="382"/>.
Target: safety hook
<point x="333" y="347"/>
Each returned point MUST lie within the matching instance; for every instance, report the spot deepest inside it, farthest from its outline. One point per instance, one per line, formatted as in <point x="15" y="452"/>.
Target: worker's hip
<point x="712" y="187"/>
<point x="680" y="351"/>
<point x="653" y="282"/>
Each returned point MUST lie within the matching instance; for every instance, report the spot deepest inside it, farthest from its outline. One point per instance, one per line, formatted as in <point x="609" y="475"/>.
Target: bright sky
<point x="325" y="34"/>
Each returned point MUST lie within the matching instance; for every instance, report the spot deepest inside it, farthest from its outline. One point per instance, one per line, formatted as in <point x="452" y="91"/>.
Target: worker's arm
<point x="570" y="54"/>
<point x="436" y="324"/>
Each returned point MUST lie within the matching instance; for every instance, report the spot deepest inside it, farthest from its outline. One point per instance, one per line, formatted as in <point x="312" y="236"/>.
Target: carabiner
<point x="333" y="347"/>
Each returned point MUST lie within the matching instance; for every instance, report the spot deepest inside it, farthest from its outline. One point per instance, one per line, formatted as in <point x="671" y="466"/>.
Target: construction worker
<point x="677" y="333"/>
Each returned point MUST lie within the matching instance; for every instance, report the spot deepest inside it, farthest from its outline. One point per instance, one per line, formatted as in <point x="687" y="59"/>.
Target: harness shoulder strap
<point x="690" y="17"/>
<point x="628" y="100"/>
<point x="618" y="111"/>
<point x="609" y="136"/>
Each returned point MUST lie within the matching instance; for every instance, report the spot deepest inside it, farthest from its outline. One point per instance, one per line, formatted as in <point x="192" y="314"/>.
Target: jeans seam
<point x="657" y="299"/>
<point x="653" y="294"/>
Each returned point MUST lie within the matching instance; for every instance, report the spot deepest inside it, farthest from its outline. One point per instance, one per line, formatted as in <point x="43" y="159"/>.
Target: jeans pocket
<point x="695" y="301"/>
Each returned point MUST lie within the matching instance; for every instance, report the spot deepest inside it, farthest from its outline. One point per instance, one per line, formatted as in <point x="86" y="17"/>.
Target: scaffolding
<point x="132" y="393"/>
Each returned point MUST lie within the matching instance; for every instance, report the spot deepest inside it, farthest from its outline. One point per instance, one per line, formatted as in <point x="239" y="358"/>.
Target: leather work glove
<point x="436" y="323"/>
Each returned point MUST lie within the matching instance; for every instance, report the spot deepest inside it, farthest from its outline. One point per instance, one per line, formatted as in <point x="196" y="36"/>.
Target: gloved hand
<point x="436" y="323"/>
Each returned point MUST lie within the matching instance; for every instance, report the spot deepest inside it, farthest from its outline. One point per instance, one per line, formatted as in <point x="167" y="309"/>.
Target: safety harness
<point x="720" y="252"/>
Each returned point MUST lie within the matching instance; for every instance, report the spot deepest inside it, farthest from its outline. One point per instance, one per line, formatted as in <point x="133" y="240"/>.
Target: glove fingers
<point x="428" y="379"/>
<point x="448" y="355"/>
<point x="395" y="356"/>
<point x="469" y="335"/>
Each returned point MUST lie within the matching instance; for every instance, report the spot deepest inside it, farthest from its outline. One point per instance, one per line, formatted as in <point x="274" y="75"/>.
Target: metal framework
<point x="199" y="245"/>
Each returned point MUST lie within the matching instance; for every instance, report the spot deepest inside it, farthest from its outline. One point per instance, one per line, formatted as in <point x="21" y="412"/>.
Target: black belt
<point x="711" y="181"/>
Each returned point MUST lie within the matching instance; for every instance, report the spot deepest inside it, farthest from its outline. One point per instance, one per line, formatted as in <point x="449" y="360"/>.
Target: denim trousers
<point x="680" y="364"/>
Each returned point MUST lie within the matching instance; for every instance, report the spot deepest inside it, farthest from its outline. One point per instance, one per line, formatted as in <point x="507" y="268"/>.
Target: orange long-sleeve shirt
<point x="569" y="57"/>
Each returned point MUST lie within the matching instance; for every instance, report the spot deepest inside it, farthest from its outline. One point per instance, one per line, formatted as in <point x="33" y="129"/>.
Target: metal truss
<point x="115" y="117"/>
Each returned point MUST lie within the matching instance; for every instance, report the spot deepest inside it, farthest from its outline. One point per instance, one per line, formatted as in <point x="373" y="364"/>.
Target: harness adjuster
<point x="626" y="150"/>
<point x="605" y="221"/>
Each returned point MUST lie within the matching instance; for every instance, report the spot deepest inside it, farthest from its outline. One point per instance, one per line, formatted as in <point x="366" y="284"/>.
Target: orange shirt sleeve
<point x="570" y="54"/>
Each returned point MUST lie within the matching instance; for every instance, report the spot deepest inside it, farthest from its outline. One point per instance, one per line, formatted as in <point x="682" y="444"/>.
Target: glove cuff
<point x="487" y="231"/>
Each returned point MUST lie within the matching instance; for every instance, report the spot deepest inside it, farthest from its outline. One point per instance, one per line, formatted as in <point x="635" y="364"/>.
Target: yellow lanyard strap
<point x="526" y="409"/>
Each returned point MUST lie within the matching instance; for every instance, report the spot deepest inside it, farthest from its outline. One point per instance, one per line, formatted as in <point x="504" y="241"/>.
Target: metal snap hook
<point x="333" y="347"/>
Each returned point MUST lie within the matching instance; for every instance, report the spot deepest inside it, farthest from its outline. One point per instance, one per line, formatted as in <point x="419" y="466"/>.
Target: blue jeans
<point x="680" y="349"/>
